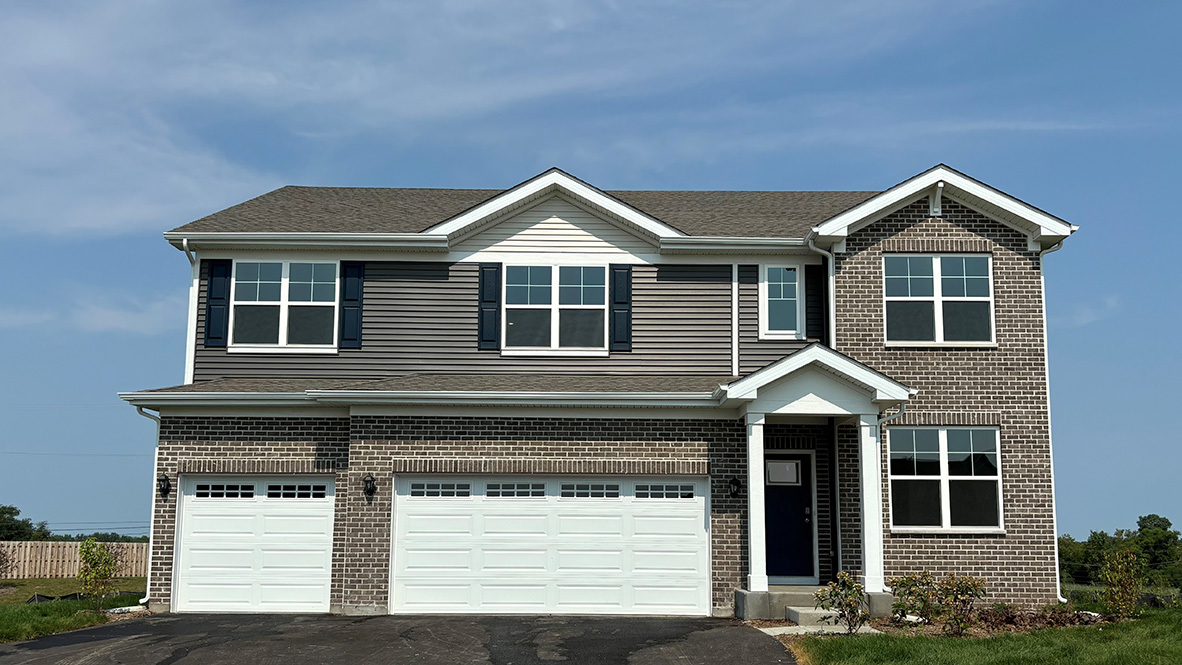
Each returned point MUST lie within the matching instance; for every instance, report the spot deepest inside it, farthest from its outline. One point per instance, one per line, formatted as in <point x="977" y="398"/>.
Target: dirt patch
<point x="112" y="618"/>
<point x="769" y="623"/>
<point x="7" y="590"/>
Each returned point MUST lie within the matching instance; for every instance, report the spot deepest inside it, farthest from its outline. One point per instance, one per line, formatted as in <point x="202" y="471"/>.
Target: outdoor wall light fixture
<point x="371" y="485"/>
<point x="163" y="485"/>
<point x="736" y="487"/>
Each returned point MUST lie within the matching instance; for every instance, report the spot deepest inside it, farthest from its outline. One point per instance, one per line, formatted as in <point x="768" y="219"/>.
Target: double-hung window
<point x="939" y="299"/>
<point x="283" y="305"/>
<point x="945" y="478"/>
<point x="781" y="302"/>
<point x="550" y="308"/>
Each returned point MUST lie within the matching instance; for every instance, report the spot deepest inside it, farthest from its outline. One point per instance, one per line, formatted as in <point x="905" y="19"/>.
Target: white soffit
<point x="882" y="387"/>
<point x="550" y="182"/>
<point x="1036" y="224"/>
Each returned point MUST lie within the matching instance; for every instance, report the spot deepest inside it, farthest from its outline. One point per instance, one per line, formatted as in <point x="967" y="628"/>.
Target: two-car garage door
<point x="531" y="544"/>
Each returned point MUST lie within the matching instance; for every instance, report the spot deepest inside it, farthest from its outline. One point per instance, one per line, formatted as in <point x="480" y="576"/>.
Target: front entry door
<point x="788" y="507"/>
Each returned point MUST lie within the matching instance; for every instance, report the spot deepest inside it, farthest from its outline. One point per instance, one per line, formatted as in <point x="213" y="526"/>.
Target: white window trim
<point x="554" y="307"/>
<point x="937" y="299"/>
<point x="764" y="331"/>
<point x="944" y="478"/>
<point x="283" y="303"/>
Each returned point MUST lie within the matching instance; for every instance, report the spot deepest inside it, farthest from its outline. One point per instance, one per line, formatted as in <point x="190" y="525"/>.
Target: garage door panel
<point x="564" y="554"/>
<point x="254" y="553"/>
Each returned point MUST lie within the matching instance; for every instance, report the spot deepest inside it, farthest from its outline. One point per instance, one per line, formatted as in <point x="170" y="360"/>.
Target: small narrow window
<point x="441" y="489"/>
<point x="506" y="490"/>
<point x="938" y="299"/>
<point x="664" y="491"/>
<point x="780" y="310"/>
<point x="590" y="490"/>
<point x="223" y="491"/>
<point x="296" y="491"/>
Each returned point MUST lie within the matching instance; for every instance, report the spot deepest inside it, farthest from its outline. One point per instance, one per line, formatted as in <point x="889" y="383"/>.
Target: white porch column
<point x="870" y="466"/>
<point x="756" y="521"/>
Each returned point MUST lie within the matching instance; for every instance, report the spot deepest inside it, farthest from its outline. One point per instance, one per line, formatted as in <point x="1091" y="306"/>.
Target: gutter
<point x="154" y="400"/>
<point x="391" y="241"/>
<point x="465" y="397"/>
<point x="730" y="245"/>
<point x="152" y="502"/>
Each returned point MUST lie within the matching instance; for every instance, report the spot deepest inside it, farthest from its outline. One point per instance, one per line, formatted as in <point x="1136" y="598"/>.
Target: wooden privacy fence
<point x="60" y="559"/>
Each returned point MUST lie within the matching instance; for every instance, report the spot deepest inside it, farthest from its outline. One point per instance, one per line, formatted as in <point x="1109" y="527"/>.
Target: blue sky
<point x="120" y="120"/>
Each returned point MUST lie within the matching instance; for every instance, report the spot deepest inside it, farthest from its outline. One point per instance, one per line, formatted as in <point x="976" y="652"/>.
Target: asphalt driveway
<point x="195" y="639"/>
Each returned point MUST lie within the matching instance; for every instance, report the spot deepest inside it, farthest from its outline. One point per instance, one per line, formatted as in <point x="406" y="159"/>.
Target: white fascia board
<point x="562" y="182"/>
<point x="885" y="388"/>
<point x="675" y="400"/>
<point x="420" y="242"/>
<point x="158" y="399"/>
<point x="730" y="245"/>
<point x="843" y="224"/>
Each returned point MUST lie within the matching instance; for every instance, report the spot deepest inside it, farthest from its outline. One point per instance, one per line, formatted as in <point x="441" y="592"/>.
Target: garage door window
<point x="210" y="491"/>
<point x="664" y="491"/>
<point x="506" y="490"/>
<point x="441" y="489"/>
<point x="296" y="491"/>
<point x="590" y="491"/>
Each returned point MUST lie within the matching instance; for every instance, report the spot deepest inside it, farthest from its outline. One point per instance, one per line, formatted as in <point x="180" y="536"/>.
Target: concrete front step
<point x="771" y="604"/>
<point x="806" y="616"/>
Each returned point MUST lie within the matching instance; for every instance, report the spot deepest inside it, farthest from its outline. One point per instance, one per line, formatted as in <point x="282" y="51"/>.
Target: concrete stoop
<point x="806" y="616"/>
<point x="783" y="602"/>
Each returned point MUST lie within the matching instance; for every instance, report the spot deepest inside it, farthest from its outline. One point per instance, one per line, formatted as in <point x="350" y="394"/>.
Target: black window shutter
<point x="217" y="303"/>
<point x="816" y="283"/>
<point x="620" y="308"/>
<point x="352" y="286"/>
<point x="489" y="318"/>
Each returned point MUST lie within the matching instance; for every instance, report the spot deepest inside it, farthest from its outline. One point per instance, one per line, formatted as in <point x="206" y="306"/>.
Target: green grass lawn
<point x="20" y="621"/>
<point x="1153" y="639"/>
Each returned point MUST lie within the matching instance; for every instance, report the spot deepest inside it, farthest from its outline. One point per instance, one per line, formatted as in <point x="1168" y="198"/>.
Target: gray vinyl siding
<point x="755" y="353"/>
<point x="421" y="317"/>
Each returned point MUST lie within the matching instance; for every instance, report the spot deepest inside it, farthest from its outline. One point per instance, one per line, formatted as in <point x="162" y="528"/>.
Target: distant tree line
<point x="1155" y="542"/>
<point x="12" y="527"/>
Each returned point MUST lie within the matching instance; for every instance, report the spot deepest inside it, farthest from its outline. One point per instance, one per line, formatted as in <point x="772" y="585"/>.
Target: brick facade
<point x="350" y="448"/>
<point x="1003" y="386"/>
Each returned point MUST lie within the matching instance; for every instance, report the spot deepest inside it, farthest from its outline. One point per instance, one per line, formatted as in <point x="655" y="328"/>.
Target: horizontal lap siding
<point x="755" y="353"/>
<point x="421" y="317"/>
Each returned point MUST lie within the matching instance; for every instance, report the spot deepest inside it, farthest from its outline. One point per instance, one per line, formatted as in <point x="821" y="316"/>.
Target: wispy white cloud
<point x="99" y="312"/>
<point x="104" y="123"/>
<point x="1083" y="314"/>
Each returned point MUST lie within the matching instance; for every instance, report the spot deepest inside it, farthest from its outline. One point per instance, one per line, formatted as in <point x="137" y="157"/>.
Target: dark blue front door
<point x="788" y="505"/>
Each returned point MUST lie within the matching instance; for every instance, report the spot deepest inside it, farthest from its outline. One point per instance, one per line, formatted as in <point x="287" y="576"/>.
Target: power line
<point x="15" y="452"/>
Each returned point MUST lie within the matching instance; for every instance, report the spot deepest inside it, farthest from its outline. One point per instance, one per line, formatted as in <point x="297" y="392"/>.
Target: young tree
<point x="100" y="565"/>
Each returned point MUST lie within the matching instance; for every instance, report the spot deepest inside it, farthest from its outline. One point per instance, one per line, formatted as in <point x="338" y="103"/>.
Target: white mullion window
<point x="945" y="479"/>
<point x="781" y="302"/>
<point x="938" y="299"/>
<point x="284" y="305"/>
<point x="555" y="308"/>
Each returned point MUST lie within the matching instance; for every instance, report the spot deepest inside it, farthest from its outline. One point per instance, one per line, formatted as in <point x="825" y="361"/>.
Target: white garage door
<point x="551" y="545"/>
<point x="254" y="544"/>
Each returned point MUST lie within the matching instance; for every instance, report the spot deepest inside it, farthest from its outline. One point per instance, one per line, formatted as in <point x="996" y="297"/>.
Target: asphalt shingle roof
<point x="295" y="209"/>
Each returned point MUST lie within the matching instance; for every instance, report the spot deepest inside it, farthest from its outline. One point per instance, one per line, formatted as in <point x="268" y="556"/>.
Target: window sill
<point x="941" y="345"/>
<point x="326" y="350"/>
<point x="556" y="353"/>
<point x="781" y="336"/>
<point x="956" y="531"/>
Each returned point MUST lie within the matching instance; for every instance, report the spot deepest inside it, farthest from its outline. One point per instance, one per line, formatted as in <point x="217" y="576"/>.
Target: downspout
<point x="1046" y="363"/>
<point x="152" y="519"/>
<point x="881" y="422"/>
<point x="188" y="253"/>
<point x="832" y="287"/>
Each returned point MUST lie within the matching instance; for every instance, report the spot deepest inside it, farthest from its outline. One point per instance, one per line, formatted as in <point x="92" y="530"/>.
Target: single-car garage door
<point x="567" y="545"/>
<point x="254" y="544"/>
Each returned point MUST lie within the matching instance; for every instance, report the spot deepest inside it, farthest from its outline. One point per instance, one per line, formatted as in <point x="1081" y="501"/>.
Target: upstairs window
<point x="945" y="478"/>
<point x="564" y="314"/>
<point x="290" y="305"/>
<point x="938" y="299"/>
<point x="781" y="310"/>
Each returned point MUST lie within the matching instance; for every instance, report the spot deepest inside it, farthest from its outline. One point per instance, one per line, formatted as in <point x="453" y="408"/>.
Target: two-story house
<point x="558" y="399"/>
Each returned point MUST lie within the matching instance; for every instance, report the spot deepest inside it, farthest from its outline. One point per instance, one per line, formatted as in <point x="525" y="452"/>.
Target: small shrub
<point x="847" y="599"/>
<point x="917" y="595"/>
<point x="1121" y="575"/>
<point x="999" y="616"/>
<point x="100" y="565"/>
<point x="958" y="595"/>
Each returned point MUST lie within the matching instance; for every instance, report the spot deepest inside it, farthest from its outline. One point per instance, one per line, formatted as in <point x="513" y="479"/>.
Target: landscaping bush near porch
<point x="1152" y="639"/>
